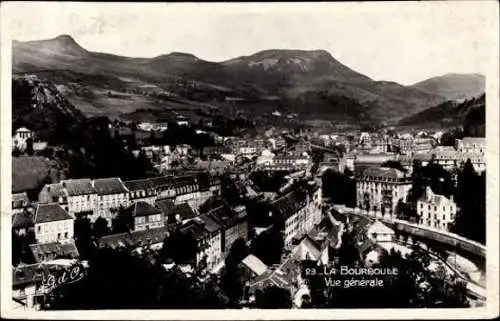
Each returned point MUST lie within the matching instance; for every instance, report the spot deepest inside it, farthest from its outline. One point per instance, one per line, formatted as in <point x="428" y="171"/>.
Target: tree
<point x="119" y="280"/>
<point x="29" y="147"/>
<point x="100" y="227"/>
<point x="394" y="164"/>
<point x="83" y="236"/>
<point x="273" y="297"/>
<point x="232" y="282"/>
<point x="123" y="221"/>
<point x="471" y="198"/>
<point x="268" y="246"/>
<point x="181" y="247"/>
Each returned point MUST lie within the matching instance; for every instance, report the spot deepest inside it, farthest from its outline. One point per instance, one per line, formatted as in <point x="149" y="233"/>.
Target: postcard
<point x="234" y="161"/>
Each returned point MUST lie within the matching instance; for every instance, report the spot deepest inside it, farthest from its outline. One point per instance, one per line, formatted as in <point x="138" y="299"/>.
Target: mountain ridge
<point x="296" y="77"/>
<point x="453" y="86"/>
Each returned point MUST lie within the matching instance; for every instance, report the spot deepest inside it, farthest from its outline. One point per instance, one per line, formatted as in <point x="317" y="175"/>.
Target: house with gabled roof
<point x="19" y="202"/>
<point x="77" y="196"/>
<point x="52" y="224"/>
<point x="54" y="250"/>
<point x="145" y="216"/>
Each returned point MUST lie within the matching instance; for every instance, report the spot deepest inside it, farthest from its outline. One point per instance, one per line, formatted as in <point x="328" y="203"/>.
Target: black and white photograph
<point x="246" y="157"/>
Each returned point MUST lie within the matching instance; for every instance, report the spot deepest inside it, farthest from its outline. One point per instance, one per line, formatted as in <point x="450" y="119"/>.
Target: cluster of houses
<point x="158" y="206"/>
<point x="449" y="157"/>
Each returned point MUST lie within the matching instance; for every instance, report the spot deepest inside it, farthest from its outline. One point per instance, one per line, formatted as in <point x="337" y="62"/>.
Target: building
<point x="145" y="216"/>
<point x="363" y="161"/>
<point x="187" y="190"/>
<point x="112" y="195"/>
<point x="214" y="240"/>
<point x="379" y="232"/>
<point x="215" y="151"/>
<point x="290" y="213"/>
<point x="423" y="145"/>
<point x="446" y="156"/>
<point x="436" y="210"/>
<point x="27" y="288"/>
<point x="55" y="250"/>
<point x="141" y="190"/>
<point x="233" y="222"/>
<point x="152" y="238"/>
<point x="82" y="197"/>
<point x="471" y="145"/>
<point x="265" y="158"/>
<point x="197" y="231"/>
<point x="54" y="193"/>
<point x="164" y="187"/>
<point x="52" y="224"/>
<point x="22" y="222"/>
<point x="77" y="196"/>
<point x="284" y="162"/>
<point x="20" y="138"/>
<point x="347" y="162"/>
<point x="380" y="145"/>
<point x="477" y="160"/>
<point x="252" y="266"/>
<point x="19" y="202"/>
<point x="176" y="214"/>
<point x="379" y="189"/>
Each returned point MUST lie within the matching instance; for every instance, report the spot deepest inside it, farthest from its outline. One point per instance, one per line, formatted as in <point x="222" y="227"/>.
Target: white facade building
<point x="436" y="211"/>
<point x="52" y="224"/>
<point x="111" y="196"/>
<point x="379" y="189"/>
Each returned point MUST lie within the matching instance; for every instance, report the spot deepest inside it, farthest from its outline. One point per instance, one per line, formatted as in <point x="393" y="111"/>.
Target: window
<point x="58" y="236"/>
<point x="39" y="228"/>
<point x="65" y="235"/>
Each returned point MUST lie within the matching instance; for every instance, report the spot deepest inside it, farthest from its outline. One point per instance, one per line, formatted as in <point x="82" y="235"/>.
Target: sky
<point x="392" y="41"/>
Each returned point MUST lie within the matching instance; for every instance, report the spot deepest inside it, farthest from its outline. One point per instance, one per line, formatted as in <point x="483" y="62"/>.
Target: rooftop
<point x="139" y="185"/>
<point x="290" y="203"/>
<point x="50" y="213"/>
<point x="22" y="219"/>
<point x="386" y="172"/>
<point x="254" y="264"/>
<point x="81" y="186"/>
<point x="112" y="185"/>
<point x="473" y="140"/>
<point x="143" y="209"/>
<point x="41" y="251"/>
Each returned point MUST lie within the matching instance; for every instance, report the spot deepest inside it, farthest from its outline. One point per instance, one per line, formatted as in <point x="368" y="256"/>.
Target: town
<point x="240" y="221"/>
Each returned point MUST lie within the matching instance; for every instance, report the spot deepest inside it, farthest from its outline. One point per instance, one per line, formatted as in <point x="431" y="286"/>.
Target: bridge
<point x="423" y="232"/>
<point x="435" y="242"/>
